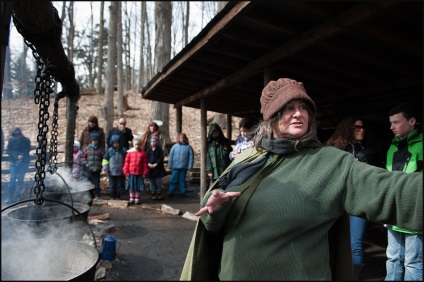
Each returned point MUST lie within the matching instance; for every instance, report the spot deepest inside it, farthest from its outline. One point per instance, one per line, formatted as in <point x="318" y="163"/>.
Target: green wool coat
<point x="283" y="231"/>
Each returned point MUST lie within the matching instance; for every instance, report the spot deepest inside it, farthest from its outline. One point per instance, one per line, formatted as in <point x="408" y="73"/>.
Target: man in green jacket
<point x="405" y="247"/>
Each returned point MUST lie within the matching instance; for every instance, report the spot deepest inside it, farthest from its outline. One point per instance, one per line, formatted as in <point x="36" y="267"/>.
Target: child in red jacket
<point x="136" y="169"/>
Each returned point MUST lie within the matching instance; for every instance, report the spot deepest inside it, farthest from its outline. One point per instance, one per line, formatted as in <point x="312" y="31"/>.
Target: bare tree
<point x="119" y="60"/>
<point x="163" y="22"/>
<point x="100" y="58"/>
<point x="187" y="21"/>
<point x="110" y="72"/>
<point x="90" y="58"/>
<point x="127" y="45"/>
<point x="149" y="64"/>
<point x="142" y="70"/>
<point x="71" y="31"/>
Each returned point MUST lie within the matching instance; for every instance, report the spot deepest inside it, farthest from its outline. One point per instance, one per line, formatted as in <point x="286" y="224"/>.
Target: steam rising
<point x="49" y="241"/>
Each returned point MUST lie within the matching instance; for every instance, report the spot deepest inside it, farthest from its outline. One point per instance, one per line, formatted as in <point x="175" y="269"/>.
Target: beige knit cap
<point x="278" y="93"/>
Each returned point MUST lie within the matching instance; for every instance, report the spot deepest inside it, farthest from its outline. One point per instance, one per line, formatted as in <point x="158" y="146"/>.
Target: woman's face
<point x="152" y="128"/>
<point x="293" y="120"/>
<point x="359" y="130"/>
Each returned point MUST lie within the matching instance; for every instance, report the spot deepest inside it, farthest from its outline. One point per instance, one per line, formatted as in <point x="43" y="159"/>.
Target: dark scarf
<point x="242" y="171"/>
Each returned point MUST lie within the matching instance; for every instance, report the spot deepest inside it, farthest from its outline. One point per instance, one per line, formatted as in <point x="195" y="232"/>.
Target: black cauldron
<point x="51" y="259"/>
<point x="45" y="220"/>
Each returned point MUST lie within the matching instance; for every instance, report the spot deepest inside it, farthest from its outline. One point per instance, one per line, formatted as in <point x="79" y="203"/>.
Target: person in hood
<point x="271" y="214"/>
<point x="217" y="152"/>
<point x="113" y="164"/>
<point x="92" y="161"/>
<point x="76" y="161"/>
<point x="92" y="127"/>
<point x="18" y="148"/>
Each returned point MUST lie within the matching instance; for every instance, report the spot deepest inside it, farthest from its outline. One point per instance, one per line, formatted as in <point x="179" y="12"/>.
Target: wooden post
<point x="229" y="127"/>
<point x="203" y="147"/>
<point x="179" y="121"/>
<point x="71" y="112"/>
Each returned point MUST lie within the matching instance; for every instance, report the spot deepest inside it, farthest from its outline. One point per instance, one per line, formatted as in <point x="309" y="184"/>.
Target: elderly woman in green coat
<point x="271" y="214"/>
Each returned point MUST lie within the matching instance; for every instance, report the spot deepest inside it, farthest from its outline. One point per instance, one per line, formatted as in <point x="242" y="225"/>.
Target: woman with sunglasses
<point x="349" y="136"/>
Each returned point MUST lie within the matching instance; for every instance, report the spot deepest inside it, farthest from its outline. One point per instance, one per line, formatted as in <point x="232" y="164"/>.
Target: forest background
<point x="132" y="42"/>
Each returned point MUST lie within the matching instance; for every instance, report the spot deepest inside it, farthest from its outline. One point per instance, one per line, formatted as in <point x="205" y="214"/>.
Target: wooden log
<point x="98" y="217"/>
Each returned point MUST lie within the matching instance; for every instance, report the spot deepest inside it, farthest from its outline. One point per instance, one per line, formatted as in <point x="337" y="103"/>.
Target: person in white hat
<point x="76" y="161"/>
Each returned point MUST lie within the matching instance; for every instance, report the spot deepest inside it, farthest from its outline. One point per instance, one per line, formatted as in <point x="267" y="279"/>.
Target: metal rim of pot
<point x="62" y="203"/>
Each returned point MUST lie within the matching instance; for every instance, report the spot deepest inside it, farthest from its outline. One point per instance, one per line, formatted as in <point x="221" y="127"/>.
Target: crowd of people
<point x="279" y="197"/>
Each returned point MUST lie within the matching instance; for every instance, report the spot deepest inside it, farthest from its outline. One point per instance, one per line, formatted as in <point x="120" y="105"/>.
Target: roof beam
<point x="207" y="38"/>
<point x="328" y="29"/>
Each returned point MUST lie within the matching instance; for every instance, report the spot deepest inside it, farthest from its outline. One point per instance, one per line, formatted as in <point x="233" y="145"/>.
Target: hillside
<point x="23" y="113"/>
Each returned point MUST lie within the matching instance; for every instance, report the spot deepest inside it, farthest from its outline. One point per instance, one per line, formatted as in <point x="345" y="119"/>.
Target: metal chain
<point x="44" y="84"/>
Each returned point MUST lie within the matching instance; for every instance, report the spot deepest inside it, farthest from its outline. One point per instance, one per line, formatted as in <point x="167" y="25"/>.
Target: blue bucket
<point x="109" y="248"/>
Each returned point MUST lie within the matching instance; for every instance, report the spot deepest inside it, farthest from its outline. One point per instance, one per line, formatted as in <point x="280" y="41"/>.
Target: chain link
<point x="44" y="84"/>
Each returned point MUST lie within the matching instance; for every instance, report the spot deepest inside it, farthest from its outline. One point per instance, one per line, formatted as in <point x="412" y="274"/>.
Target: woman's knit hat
<point x="278" y="93"/>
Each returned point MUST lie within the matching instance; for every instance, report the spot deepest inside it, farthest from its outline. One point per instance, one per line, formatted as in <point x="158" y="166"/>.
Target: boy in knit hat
<point x="92" y="160"/>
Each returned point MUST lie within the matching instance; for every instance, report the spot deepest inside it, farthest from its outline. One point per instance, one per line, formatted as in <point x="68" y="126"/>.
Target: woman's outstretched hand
<point x="216" y="201"/>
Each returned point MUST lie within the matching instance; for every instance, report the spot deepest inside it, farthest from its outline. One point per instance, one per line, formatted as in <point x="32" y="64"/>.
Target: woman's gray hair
<point x="265" y="128"/>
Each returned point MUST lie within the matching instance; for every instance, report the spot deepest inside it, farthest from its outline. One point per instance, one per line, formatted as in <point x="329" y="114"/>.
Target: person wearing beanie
<point x="92" y="162"/>
<point x="76" y="161"/>
<point x="92" y="127"/>
<point x="280" y="210"/>
<point x="113" y="164"/>
<point x="157" y="170"/>
<point x="135" y="167"/>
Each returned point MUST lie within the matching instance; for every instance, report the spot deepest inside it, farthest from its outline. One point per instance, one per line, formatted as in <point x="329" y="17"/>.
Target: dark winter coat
<point x="124" y="137"/>
<point x="16" y="146"/>
<point x="93" y="157"/>
<point x="85" y="138"/>
<point x="156" y="157"/>
<point x="113" y="161"/>
<point x="218" y="152"/>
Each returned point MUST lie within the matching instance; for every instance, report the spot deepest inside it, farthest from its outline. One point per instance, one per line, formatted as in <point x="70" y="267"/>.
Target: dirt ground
<point x="151" y="245"/>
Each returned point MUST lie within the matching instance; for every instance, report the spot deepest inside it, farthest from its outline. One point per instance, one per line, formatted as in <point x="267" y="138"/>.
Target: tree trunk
<point x="110" y="72"/>
<point x="149" y="64"/>
<point x="163" y="22"/>
<point x="187" y="22"/>
<point x="100" y="58"/>
<point x="91" y="67"/>
<point x="141" y="71"/>
<point x="127" y="53"/>
<point x="71" y="31"/>
<point x="119" y="61"/>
